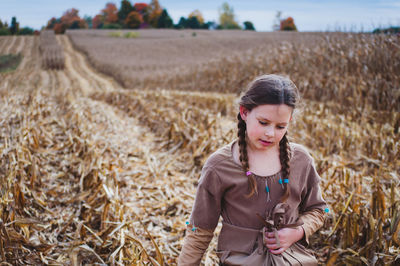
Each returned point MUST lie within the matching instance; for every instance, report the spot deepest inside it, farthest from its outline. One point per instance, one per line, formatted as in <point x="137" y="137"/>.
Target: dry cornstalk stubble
<point x="70" y="195"/>
<point x="50" y="50"/>
<point x="352" y="81"/>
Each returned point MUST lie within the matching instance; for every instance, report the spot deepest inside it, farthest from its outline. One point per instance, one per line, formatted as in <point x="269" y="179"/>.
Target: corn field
<point x="51" y="52"/>
<point x="100" y="160"/>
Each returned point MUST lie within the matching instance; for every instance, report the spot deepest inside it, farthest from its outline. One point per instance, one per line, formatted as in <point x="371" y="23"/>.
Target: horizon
<point x="309" y="15"/>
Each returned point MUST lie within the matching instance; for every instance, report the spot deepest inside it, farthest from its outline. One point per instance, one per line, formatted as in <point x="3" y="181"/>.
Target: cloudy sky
<point x="309" y="15"/>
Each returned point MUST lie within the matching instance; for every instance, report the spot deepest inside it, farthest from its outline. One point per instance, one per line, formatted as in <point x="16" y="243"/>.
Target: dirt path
<point x="19" y="46"/>
<point x="15" y="46"/>
<point x="3" y="42"/>
<point x="78" y="69"/>
<point x="26" y="50"/>
<point x="11" y="43"/>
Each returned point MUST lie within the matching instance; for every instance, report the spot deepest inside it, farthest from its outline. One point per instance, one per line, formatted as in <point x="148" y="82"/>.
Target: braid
<point x="284" y="156"/>
<point x="243" y="157"/>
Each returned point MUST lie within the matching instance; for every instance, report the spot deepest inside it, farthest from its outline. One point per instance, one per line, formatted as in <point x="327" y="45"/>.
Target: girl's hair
<point x="267" y="89"/>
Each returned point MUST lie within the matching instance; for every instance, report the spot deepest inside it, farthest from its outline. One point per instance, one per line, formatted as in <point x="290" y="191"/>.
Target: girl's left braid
<point x="284" y="157"/>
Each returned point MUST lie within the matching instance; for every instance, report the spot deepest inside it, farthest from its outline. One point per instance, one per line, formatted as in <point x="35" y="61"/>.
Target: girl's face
<point x="266" y="124"/>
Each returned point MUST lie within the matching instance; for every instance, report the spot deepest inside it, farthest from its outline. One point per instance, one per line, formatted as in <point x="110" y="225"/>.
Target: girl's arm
<point x="204" y="218"/>
<point x="313" y="220"/>
<point x="195" y="244"/>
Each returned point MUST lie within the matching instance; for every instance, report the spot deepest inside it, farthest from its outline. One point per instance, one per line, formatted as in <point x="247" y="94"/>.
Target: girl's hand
<point x="287" y="236"/>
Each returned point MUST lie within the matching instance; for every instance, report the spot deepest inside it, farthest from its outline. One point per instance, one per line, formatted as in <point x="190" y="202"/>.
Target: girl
<point x="265" y="188"/>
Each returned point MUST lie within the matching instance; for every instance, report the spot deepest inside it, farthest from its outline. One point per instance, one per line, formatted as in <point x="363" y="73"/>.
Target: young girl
<point x="265" y="188"/>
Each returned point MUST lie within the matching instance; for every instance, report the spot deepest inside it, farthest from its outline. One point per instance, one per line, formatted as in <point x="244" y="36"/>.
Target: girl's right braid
<point x="243" y="157"/>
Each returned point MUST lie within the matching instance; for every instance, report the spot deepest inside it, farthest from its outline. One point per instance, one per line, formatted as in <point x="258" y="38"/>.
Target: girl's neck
<point x="265" y="162"/>
<point x="262" y="162"/>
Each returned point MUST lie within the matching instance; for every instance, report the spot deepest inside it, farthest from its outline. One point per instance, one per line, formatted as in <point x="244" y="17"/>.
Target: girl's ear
<point x="243" y="112"/>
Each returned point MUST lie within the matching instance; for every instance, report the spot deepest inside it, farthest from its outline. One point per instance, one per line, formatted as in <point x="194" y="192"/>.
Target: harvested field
<point x="51" y="52"/>
<point x="92" y="172"/>
<point x="225" y="62"/>
<point x="162" y="54"/>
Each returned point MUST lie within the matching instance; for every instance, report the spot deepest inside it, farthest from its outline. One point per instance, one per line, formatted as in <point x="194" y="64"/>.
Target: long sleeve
<point x="313" y="205"/>
<point x="313" y="220"/>
<point x="204" y="218"/>
<point x="207" y="204"/>
<point x="194" y="246"/>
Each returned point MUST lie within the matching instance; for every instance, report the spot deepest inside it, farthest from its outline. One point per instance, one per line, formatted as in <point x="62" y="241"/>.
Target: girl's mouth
<point x="265" y="142"/>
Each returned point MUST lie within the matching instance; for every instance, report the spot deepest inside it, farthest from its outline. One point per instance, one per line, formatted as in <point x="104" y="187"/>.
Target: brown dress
<point x="222" y="190"/>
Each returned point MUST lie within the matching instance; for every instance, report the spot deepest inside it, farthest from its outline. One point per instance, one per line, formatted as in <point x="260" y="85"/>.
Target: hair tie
<point x="281" y="182"/>
<point x="267" y="190"/>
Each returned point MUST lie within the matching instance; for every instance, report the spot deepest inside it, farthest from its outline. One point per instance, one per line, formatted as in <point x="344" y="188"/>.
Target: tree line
<point x="14" y="29"/>
<point x="139" y="16"/>
<point x="152" y="15"/>
<point x="142" y="16"/>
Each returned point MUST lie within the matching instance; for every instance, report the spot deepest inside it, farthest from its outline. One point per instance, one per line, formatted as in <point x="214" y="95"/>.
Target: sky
<point x="309" y="15"/>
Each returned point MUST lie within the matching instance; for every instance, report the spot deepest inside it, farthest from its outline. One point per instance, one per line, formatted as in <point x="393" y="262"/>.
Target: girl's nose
<point x="269" y="131"/>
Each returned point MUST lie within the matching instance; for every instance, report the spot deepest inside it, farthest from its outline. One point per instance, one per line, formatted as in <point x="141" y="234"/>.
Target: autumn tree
<point x="125" y="9"/>
<point x="69" y="20"/>
<point x="70" y="15"/>
<point x="72" y="20"/>
<point x="52" y="22"/>
<point x="140" y="7"/>
<point x="110" y="13"/>
<point x="133" y="20"/>
<point x="227" y="17"/>
<point x="196" y="13"/>
<point x="108" y="17"/>
<point x="143" y="10"/>
<point x="288" y="24"/>
<point x="97" y="22"/>
<point x="164" y="21"/>
<point x="155" y="11"/>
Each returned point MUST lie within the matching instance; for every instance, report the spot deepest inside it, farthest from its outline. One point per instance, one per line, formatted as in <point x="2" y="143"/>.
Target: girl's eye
<point x="281" y="127"/>
<point x="263" y="123"/>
